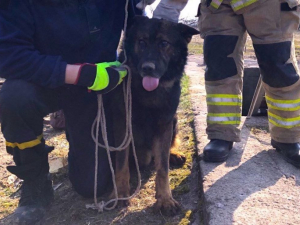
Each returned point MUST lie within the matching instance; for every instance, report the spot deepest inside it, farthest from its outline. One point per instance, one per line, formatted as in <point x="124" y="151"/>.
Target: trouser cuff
<point x="224" y="137"/>
<point x="286" y="140"/>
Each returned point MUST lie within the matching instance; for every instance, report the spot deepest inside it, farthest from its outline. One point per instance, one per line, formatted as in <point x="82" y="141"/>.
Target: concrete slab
<point x="255" y="185"/>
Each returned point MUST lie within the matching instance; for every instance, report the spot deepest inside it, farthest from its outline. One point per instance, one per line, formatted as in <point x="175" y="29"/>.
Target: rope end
<point x="99" y="206"/>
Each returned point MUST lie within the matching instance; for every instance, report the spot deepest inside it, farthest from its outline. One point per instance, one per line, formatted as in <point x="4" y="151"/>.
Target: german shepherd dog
<point x="157" y="53"/>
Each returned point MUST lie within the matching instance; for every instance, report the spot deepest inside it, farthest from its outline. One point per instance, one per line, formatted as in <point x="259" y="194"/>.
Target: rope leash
<point x="100" y="118"/>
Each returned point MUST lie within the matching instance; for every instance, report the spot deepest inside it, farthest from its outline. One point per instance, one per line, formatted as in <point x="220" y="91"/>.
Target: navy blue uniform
<point x="38" y="38"/>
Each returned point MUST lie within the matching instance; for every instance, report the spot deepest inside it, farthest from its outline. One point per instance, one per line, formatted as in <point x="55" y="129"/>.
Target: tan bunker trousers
<point x="271" y="25"/>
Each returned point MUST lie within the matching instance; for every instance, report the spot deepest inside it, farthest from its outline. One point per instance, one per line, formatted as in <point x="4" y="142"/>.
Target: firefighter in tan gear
<point x="271" y="24"/>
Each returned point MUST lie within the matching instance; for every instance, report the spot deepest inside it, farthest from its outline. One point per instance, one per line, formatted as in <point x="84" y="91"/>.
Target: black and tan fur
<point x="163" y="46"/>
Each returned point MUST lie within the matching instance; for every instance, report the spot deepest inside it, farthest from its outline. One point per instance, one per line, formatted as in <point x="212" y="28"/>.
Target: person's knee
<point x="16" y="96"/>
<point x="276" y="64"/>
<point x="217" y="49"/>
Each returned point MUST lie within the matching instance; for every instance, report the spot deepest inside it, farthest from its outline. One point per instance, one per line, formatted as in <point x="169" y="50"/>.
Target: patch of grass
<point x="185" y="105"/>
<point x="195" y="48"/>
<point x="7" y="204"/>
<point x="258" y="129"/>
<point x="186" y="220"/>
<point x="179" y="181"/>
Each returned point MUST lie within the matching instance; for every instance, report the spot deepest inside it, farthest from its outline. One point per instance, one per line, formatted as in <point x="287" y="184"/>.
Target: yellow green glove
<point x="101" y="77"/>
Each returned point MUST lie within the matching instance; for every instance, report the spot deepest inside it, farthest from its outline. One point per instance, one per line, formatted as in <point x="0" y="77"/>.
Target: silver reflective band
<point x="284" y="105"/>
<point x="216" y="119"/>
<point x="285" y="123"/>
<point x="223" y="100"/>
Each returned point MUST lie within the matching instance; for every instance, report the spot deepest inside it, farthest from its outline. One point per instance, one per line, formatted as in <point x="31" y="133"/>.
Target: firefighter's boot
<point x="289" y="151"/>
<point x="217" y="150"/>
<point x="36" y="191"/>
<point x="36" y="197"/>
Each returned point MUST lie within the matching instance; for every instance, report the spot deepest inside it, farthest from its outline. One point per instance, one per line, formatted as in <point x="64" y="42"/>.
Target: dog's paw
<point x="121" y="203"/>
<point x="167" y="206"/>
<point x="177" y="158"/>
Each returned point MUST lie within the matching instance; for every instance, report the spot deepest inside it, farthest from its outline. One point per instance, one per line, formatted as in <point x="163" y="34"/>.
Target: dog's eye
<point x="163" y="44"/>
<point x="142" y="44"/>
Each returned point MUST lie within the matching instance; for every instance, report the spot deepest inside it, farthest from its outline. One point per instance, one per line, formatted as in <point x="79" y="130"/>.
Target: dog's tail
<point x="176" y="158"/>
<point x="175" y="140"/>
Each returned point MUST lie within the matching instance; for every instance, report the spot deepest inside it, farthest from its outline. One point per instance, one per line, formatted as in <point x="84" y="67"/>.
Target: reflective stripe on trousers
<point x="278" y="107"/>
<point x="224" y="118"/>
<point x="284" y="105"/>
<point x="283" y="122"/>
<point x="24" y="145"/>
<point x="225" y="100"/>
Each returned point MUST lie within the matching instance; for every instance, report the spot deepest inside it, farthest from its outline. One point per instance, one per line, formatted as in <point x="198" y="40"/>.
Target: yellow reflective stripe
<point x="282" y="101"/>
<point x="225" y="103"/>
<point x="24" y="145"/>
<point x="224" y="114"/>
<point x="239" y="4"/>
<point x="223" y="96"/>
<point x="283" y="109"/>
<point x="284" y="105"/>
<point x="216" y="3"/>
<point x="224" y="118"/>
<point x="282" y="126"/>
<point x="224" y="122"/>
<point x="283" y="122"/>
<point x="284" y="119"/>
<point x="224" y="99"/>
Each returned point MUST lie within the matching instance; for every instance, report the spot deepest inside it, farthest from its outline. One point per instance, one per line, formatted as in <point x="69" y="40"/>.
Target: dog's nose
<point x="148" y="67"/>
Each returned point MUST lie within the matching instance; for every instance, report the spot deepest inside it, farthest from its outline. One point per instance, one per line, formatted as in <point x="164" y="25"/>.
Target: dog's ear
<point x="187" y="32"/>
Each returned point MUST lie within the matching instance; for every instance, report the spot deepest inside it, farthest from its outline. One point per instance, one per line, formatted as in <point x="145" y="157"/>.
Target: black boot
<point x="217" y="150"/>
<point x="36" y="197"/>
<point x="289" y="151"/>
<point x="36" y="192"/>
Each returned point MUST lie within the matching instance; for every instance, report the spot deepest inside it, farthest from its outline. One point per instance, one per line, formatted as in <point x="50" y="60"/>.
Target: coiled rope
<point x="100" y="118"/>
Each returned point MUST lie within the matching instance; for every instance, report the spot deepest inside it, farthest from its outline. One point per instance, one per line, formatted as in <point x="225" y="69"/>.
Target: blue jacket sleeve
<point x="19" y="59"/>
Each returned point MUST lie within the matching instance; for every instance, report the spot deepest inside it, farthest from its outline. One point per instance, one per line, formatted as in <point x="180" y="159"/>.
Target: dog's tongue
<point x="150" y="83"/>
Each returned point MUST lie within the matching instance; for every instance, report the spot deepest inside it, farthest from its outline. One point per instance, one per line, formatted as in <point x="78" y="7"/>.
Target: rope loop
<point x="100" y="119"/>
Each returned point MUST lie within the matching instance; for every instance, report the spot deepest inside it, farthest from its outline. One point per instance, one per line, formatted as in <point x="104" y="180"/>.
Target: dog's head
<point x="156" y="49"/>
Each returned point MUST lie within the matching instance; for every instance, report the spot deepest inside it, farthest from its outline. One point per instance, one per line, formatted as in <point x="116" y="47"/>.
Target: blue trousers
<point x="23" y="106"/>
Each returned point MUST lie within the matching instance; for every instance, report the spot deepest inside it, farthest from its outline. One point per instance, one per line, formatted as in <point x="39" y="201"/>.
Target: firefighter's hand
<point x="101" y="77"/>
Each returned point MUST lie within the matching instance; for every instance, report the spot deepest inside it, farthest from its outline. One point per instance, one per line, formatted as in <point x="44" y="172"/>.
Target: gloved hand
<point x="169" y="9"/>
<point x="143" y="3"/>
<point x="101" y="77"/>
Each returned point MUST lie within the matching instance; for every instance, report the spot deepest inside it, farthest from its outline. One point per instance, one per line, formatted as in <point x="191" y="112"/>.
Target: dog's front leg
<point x="161" y="152"/>
<point x="122" y="176"/>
